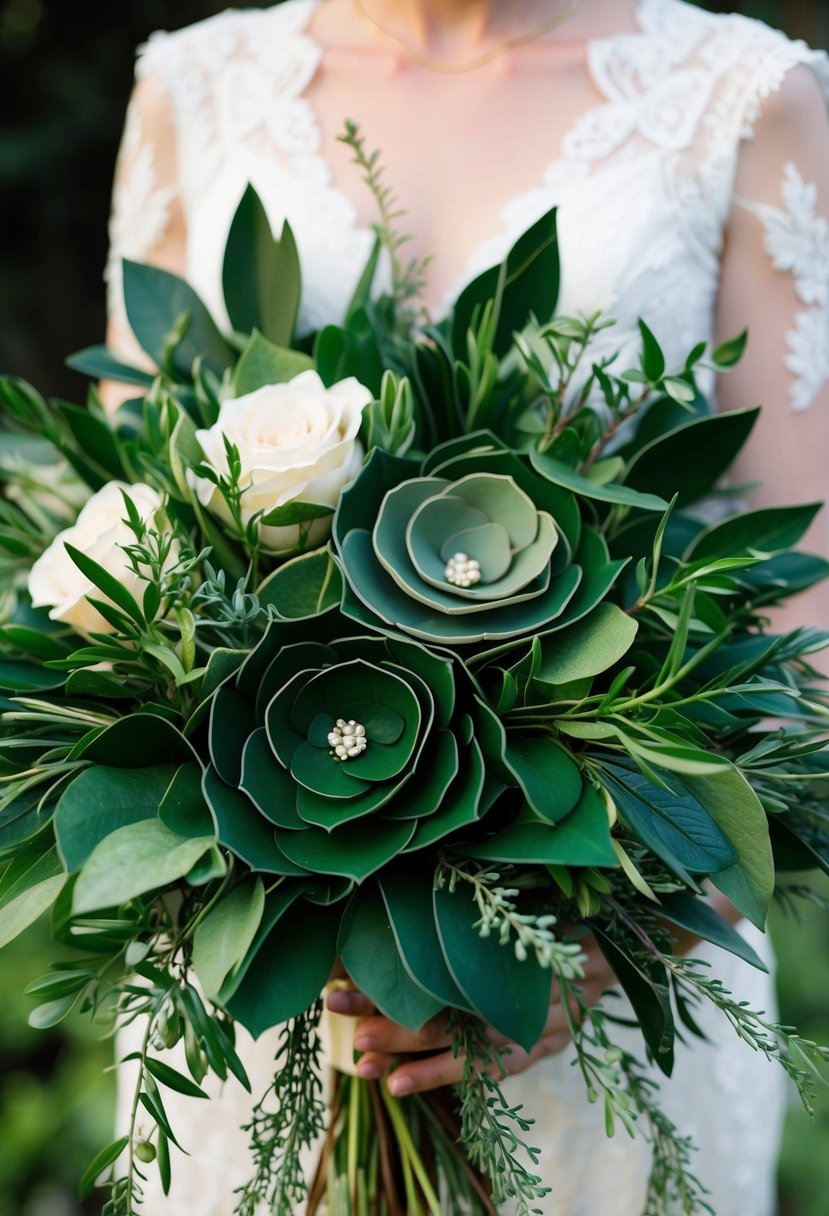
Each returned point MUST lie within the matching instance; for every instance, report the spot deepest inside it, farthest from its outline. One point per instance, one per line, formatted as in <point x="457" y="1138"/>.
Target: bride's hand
<point x="382" y="1042"/>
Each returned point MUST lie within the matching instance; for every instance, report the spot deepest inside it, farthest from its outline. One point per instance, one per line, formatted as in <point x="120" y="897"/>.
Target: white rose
<point x="296" y="441"/>
<point x="100" y="532"/>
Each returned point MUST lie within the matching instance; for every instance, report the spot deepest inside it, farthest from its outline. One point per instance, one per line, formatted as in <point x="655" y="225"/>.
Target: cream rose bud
<point x="55" y="581"/>
<point x="297" y="441"/>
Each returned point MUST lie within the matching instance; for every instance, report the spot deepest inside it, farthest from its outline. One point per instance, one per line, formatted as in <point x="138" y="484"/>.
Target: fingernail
<point x="366" y="1042"/>
<point x="339" y="1001"/>
<point x="401" y="1085"/>
<point x="367" y="1070"/>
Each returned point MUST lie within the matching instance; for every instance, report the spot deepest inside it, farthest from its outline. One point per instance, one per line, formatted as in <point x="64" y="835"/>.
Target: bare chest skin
<point x="455" y="148"/>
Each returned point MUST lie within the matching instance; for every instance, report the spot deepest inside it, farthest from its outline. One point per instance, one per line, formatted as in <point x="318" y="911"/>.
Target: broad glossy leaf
<point x="138" y="741"/>
<point x="28" y="886"/>
<point x="407" y="893"/>
<point x="183" y="808"/>
<point x="734" y="805"/>
<point x="262" y="363"/>
<point x="100" y="363"/>
<point x="101" y="800"/>
<point x="283" y="981"/>
<point x="587" y="648"/>
<point x="22" y="677"/>
<point x="156" y="301"/>
<point x="690" y="459"/>
<point x="699" y="917"/>
<point x="370" y="954"/>
<point x="548" y="776"/>
<point x="102" y="1161"/>
<point x="226" y="934"/>
<point x="261" y="276"/>
<point x="304" y="586"/>
<point x="582" y="839"/>
<point x="674" y="824"/>
<point x="648" y="992"/>
<point x="562" y="475"/>
<point x="528" y="280"/>
<point x="769" y="530"/>
<point x="133" y="859"/>
<point x="511" y="995"/>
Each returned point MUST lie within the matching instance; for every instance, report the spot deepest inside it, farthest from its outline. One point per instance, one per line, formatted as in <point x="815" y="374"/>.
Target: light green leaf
<point x="561" y="475"/>
<point x="262" y="363"/>
<point x="587" y="648"/>
<point x="734" y="806"/>
<point x="100" y="800"/>
<point x="304" y="586"/>
<point x="136" y="858"/>
<point x="28" y="886"/>
<point x="225" y="935"/>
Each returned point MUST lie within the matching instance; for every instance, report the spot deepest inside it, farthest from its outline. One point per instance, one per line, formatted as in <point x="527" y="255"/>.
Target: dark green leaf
<point x="690" y="459"/>
<point x="106" y="1157"/>
<point x="511" y="995"/>
<point x="699" y="917"/>
<point x="769" y="530"/>
<point x="653" y="360"/>
<point x="561" y="475"/>
<point x="548" y="776"/>
<point x="527" y="283"/>
<point x="408" y="901"/>
<point x="261" y="276"/>
<point x="370" y="954"/>
<point x="172" y="1079"/>
<point x="156" y="302"/>
<point x="107" y="583"/>
<point x="101" y="364"/>
<point x="283" y="981"/>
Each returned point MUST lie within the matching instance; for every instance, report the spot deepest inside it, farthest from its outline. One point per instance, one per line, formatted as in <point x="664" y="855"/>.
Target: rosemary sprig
<point x="289" y="1118"/>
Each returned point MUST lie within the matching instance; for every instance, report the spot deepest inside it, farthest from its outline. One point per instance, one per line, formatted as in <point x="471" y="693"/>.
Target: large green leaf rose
<point x="334" y="756"/>
<point x="470" y="545"/>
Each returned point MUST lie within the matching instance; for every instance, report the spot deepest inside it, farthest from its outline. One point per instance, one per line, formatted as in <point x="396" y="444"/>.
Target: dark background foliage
<point x="65" y="76"/>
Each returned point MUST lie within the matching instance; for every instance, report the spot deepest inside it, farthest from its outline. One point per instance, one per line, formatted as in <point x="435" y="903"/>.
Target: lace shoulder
<point x="690" y="85"/>
<point x="237" y="79"/>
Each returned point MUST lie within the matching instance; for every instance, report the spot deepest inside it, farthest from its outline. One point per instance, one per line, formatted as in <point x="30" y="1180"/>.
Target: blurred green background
<point x="65" y="76"/>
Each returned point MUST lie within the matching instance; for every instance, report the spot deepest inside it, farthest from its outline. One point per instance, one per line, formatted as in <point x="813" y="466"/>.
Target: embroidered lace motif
<point x="797" y="241"/>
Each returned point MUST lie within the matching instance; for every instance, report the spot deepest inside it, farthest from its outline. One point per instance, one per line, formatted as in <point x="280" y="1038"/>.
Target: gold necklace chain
<point x="469" y="65"/>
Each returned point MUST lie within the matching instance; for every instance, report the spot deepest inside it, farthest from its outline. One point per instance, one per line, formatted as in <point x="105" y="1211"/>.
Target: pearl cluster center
<point x="347" y="739"/>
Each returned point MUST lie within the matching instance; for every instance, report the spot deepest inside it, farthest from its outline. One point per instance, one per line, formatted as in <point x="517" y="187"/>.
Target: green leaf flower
<point x="334" y="756"/>
<point x="471" y="545"/>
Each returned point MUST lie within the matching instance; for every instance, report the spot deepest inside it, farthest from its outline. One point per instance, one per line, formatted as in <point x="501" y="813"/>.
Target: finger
<point x="381" y="1034"/>
<point x="349" y="1001"/>
<point x="373" y="1065"/>
<point x="445" y="1068"/>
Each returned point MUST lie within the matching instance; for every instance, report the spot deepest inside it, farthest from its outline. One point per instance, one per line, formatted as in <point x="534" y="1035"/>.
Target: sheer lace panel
<point x="145" y="205"/>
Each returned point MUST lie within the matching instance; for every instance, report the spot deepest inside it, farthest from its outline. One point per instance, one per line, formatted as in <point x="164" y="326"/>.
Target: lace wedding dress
<point x="644" y="181"/>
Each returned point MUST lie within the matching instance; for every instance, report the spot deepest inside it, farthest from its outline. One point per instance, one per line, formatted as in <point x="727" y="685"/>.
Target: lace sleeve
<point x="147" y="222"/>
<point x="775" y="279"/>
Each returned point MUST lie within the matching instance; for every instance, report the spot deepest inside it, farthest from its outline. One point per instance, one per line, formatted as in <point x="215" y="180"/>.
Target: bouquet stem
<point x="384" y="1157"/>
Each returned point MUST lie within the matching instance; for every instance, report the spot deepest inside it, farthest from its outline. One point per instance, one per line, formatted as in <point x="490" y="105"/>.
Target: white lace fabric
<point x="644" y="182"/>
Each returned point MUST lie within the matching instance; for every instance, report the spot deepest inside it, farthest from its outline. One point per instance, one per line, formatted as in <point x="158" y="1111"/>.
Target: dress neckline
<point x="595" y="50"/>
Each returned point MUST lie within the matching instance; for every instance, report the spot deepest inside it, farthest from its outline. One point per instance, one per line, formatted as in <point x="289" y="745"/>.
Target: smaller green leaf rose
<point x="468" y="552"/>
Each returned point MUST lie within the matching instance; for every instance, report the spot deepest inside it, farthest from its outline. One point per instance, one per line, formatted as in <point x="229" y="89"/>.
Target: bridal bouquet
<point x="407" y="648"/>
